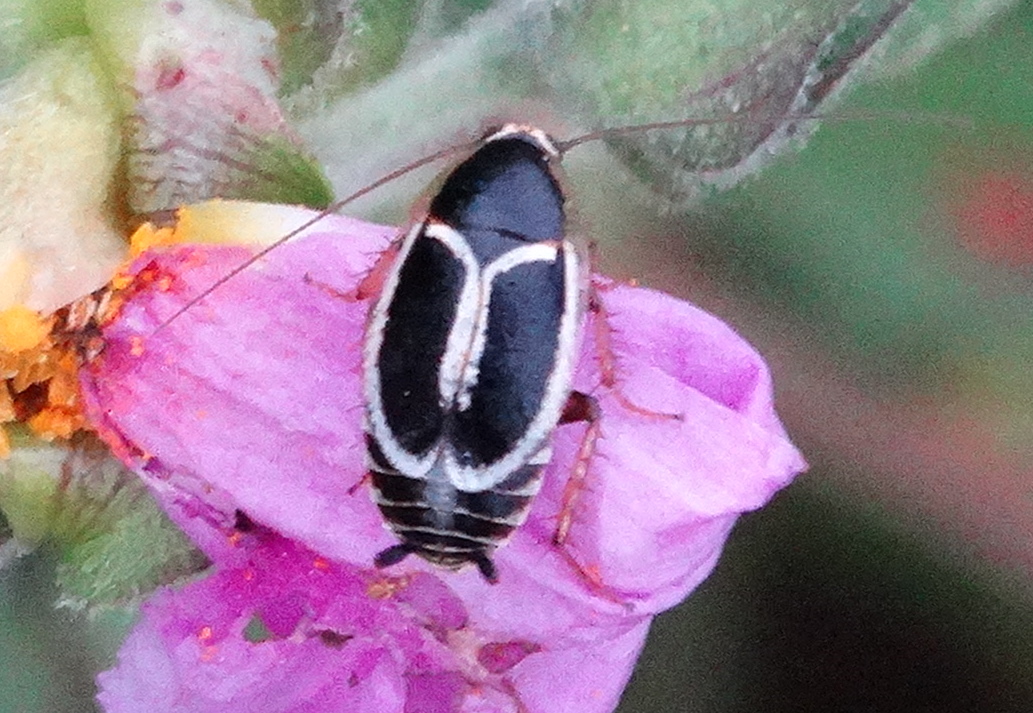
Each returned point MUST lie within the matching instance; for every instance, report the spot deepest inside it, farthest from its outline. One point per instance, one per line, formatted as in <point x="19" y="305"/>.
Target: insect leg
<point x="392" y="555"/>
<point x="364" y="480"/>
<point x="603" y="333"/>
<point x="396" y="553"/>
<point x="330" y="289"/>
<point x="579" y="407"/>
<point x="371" y="284"/>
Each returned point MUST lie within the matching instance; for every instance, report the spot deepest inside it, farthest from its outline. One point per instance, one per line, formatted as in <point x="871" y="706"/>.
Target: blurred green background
<point x="885" y="272"/>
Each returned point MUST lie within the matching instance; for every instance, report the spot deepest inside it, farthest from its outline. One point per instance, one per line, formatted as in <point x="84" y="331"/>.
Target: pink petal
<point x="250" y="401"/>
<point x="586" y="678"/>
<point x="190" y="653"/>
<point x="357" y="647"/>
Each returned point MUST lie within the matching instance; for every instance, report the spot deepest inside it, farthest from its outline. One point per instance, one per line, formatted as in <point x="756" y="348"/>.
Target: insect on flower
<point x="469" y="353"/>
<point x="245" y="418"/>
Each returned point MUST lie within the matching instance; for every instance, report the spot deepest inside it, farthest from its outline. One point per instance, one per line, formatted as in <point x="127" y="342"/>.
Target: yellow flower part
<point x="147" y="237"/>
<point x="22" y="328"/>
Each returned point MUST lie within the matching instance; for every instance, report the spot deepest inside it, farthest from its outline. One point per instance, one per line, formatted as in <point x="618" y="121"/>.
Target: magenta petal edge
<point x="250" y="402"/>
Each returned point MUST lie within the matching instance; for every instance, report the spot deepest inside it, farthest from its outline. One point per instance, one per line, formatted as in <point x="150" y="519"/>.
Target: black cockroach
<point x="470" y="352"/>
<point x="470" y="349"/>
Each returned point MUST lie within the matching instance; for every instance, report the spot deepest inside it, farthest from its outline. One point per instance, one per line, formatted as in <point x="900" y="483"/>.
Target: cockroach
<point x="470" y="349"/>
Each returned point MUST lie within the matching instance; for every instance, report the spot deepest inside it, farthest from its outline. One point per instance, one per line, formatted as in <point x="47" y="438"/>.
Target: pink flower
<point x="285" y="630"/>
<point x="251" y="402"/>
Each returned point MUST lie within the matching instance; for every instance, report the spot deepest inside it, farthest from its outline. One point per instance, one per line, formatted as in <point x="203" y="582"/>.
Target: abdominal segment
<point x="448" y="526"/>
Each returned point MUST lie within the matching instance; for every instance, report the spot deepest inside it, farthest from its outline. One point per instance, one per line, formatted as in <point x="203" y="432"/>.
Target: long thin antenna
<point x="330" y="210"/>
<point x="563" y="147"/>
<point x="907" y="117"/>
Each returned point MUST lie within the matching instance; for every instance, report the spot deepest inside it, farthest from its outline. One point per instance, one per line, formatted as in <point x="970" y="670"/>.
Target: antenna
<point x="562" y="147"/>
<point x="904" y="117"/>
<point x="330" y="210"/>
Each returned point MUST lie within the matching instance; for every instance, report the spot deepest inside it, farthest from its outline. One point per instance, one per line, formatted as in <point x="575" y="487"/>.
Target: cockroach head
<point x="527" y="132"/>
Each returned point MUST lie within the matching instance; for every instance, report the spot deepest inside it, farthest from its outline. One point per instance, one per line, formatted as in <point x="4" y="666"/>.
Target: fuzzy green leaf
<point x="580" y="65"/>
<point x="739" y="59"/>
<point x="112" y="541"/>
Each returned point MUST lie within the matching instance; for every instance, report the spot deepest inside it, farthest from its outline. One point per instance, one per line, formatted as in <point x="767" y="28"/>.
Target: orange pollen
<point x="386" y="587"/>
<point x="56" y="422"/>
<point x="121" y="281"/>
<point x="147" y="275"/>
<point x="22" y="329"/>
<point x="40" y="373"/>
<point x="136" y="345"/>
<point x="205" y="634"/>
<point x="321" y="564"/>
<point x="147" y="237"/>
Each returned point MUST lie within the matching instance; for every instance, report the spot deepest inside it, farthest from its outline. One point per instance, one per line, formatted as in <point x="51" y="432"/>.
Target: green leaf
<point x="338" y="46"/>
<point x="112" y="540"/>
<point x="751" y="61"/>
<point x="29" y="26"/>
<point x="579" y="65"/>
<point x="256" y="632"/>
